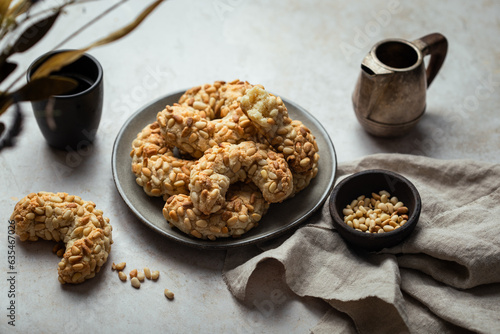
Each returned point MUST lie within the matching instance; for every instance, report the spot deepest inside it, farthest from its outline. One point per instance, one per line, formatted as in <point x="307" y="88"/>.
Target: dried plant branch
<point x="90" y="23"/>
<point x="62" y="59"/>
<point x="73" y="56"/>
<point x="14" y="16"/>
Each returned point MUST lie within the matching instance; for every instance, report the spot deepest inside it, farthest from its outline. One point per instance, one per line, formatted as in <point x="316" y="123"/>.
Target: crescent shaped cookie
<point x="67" y="218"/>
<point x="242" y="211"/>
<point x="228" y="163"/>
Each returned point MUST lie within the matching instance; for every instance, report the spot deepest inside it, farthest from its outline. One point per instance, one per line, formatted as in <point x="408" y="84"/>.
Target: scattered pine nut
<point x="60" y="252"/>
<point x="135" y="282"/>
<point x="120" y="266"/>
<point x="154" y="275"/>
<point x="133" y="273"/>
<point x="169" y="294"/>
<point x="147" y="273"/>
<point x="122" y="276"/>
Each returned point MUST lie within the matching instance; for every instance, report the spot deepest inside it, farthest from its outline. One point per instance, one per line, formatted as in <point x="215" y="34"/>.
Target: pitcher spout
<point x="372" y="68"/>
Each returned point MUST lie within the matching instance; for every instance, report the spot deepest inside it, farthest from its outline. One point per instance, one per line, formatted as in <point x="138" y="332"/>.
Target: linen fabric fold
<point x="445" y="277"/>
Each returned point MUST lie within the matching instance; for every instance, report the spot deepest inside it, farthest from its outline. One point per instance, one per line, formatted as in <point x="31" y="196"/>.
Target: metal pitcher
<point x="389" y="98"/>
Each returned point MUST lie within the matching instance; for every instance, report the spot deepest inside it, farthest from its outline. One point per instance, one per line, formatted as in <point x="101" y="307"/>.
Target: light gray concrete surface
<point x="307" y="51"/>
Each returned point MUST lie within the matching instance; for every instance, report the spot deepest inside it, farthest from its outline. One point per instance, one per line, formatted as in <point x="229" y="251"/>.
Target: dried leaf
<point x="128" y="28"/>
<point x="4" y="7"/>
<point x="34" y="33"/>
<point x="6" y="69"/>
<point x="19" y="8"/>
<point x="5" y="102"/>
<point x="43" y="88"/>
<point x="56" y="62"/>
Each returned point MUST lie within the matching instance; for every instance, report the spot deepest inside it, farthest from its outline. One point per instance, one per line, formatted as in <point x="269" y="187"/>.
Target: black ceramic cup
<point x="70" y="121"/>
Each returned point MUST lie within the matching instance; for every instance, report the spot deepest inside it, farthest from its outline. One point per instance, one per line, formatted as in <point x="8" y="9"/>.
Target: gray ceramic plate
<point x="280" y="217"/>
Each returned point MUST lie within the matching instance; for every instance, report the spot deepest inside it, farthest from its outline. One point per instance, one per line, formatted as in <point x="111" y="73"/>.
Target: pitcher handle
<point x="436" y="46"/>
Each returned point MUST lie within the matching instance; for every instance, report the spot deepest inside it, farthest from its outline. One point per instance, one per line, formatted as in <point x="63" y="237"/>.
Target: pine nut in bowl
<point x="375" y="209"/>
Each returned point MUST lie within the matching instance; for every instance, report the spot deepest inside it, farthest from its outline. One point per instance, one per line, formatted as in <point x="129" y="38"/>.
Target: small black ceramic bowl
<point x="366" y="183"/>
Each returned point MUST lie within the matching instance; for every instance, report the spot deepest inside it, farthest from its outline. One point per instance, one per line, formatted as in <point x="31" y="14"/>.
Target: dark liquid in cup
<point x="83" y="82"/>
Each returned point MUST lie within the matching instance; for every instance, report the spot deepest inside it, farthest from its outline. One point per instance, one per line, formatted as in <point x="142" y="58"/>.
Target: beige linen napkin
<point x="445" y="278"/>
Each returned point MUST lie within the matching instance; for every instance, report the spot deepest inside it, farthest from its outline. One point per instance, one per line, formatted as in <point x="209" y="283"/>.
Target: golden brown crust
<point x="290" y="137"/>
<point x="185" y="128"/>
<point x="242" y="211"/>
<point x="156" y="168"/>
<point x="214" y="101"/>
<point x="67" y="218"/>
<point x="229" y="163"/>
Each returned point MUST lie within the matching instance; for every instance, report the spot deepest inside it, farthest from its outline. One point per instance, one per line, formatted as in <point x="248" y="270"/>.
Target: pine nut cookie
<point x="242" y="211"/>
<point x="227" y="163"/>
<point x="62" y="217"/>
<point x="188" y="129"/>
<point x="156" y="168"/>
<point x="205" y="116"/>
<point x="290" y="137"/>
<point x="214" y="100"/>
